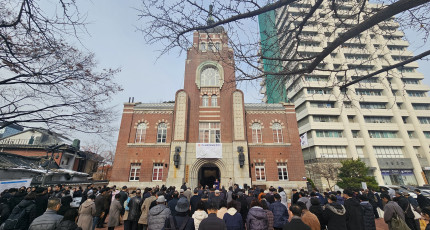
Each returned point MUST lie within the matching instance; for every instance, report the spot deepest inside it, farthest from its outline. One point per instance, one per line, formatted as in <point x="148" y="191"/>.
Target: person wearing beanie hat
<point x="158" y="214"/>
<point x="181" y="219"/>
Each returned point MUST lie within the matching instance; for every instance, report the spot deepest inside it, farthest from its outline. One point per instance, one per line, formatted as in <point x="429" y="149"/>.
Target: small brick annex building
<point x="209" y="132"/>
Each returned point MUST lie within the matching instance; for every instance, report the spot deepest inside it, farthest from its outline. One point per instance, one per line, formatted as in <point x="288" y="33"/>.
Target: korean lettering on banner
<point x="187" y="173"/>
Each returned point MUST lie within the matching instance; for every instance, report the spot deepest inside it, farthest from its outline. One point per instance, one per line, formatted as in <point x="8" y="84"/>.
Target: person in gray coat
<point x="391" y="209"/>
<point x="114" y="212"/>
<point x="49" y="220"/>
<point x="158" y="214"/>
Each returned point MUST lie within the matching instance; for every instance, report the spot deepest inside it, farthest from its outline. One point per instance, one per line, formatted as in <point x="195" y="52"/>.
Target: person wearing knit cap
<point x="158" y="214"/>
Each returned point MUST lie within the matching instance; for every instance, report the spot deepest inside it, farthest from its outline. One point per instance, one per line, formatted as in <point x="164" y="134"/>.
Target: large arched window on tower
<point x="205" y="100"/>
<point x="277" y="133"/>
<point x="214" y="100"/>
<point x="140" y="133"/>
<point x="256" y="133"/>
<point x="162" y="133"/>
<point x="209" y="77"/>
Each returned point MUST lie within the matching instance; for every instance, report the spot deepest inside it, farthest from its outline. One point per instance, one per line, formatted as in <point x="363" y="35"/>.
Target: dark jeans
<point x="127" y="225"/>
<point x="375" y="212"/>
<point x="96" y="220"/>
<point x="134" y="225"/>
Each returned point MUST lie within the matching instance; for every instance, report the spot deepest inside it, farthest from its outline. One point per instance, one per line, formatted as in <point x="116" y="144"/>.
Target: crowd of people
<point x="50" y="208"/>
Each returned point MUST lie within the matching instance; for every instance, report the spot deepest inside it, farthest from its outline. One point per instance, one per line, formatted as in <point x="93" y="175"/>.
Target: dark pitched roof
<point x="10" y="160"/>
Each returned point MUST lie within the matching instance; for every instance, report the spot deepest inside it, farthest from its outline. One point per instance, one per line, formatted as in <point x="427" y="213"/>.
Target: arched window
<point x="205" y="100"/>
<point x="256" y="133"/>
<point x="211" y="47"/>
<point x="162" y="133"/>
<point x="209" y="76"/>
<point x="217" y="46"/>
<point x="203" y="46"/>
<point x="140" y="133"/>
<point x="214" y="100"/>
<point x="277" y="133"/>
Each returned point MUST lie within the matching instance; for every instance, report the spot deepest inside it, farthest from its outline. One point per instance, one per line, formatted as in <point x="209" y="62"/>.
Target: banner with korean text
<point x="208" y="150"/>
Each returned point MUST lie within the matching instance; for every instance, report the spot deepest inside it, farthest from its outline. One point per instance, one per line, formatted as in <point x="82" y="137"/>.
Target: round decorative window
<point x="209" y="77"/>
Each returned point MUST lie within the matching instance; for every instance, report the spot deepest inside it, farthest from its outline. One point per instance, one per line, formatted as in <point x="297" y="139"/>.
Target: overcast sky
<point x="116" y="43"/>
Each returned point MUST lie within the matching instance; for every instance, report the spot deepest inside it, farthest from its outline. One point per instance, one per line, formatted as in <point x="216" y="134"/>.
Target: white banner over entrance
<point x="208" y="150"/>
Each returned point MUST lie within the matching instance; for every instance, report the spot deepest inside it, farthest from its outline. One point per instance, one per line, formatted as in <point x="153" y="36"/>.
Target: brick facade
<point x="184" y="117"/>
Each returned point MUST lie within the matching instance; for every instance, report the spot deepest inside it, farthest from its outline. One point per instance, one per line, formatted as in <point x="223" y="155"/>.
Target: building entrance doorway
<point x="207" y="175"/>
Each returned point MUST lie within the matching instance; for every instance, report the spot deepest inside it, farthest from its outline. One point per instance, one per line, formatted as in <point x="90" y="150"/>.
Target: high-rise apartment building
<point x="383" y="120"/>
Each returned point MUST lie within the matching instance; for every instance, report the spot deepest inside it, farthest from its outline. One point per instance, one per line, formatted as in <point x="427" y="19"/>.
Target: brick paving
<point x="380" y="225"/>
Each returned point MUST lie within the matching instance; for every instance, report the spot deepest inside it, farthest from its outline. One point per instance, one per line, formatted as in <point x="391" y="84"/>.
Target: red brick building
<point x="209" y="132"/>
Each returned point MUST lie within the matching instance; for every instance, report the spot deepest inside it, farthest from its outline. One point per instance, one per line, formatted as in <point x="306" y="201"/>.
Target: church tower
<point x="208" y="146"/>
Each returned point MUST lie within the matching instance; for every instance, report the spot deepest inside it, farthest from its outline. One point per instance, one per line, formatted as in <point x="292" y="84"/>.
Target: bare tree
<point x="324" y="169"/>
<point x="45" y="81"/>
<point x="172" y="22"/>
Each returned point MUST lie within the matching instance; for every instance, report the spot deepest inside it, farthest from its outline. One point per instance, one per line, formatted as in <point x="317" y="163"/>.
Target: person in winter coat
<point x="303" y="198"/>
<point x="200" y="214"/>
<point x="334" y="214"/>
<point x="283" y="195"/>
<point x="426" y="215"/>
<point x="257" y="217"/>
<point x="421" y="199"/>
<point x="280" y="212"/>
<point x="66" y="199"/>
<point x="317" y="210"/>
<point x="134" y="206"/>
<point x="296" y="222"/>
<point x="391" y="209"/>
<point x="4" y="210"/>
<point x="222" y="209"/>
<point x="50" y="219"/>
<point x="309" y="218"/>
<point x="114" y="212"/>
<point x="233" y="220"/>
<point x="406" y="206"/>
<point x="87" y="211"/>
<point x="158" y="214"/>
<point x="368" y="215"/>
<point x="41" y="201"/>
<point x="172" y="203"/>
<point x="354" y="217"/>
<point x="17" y="197"/>
<point x="69" y="221"/>
<point x="23" y="214"/>
<point x="181" y="219"/>
<point x="212" y="222"/>
<point x="270" y="216"/>
<point x="145" y="209"/>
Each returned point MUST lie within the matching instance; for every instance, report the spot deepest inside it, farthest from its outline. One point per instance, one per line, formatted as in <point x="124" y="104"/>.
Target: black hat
<point x="183" y="205"/>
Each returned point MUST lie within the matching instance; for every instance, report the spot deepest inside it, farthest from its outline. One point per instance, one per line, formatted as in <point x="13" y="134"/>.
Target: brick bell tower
<point x="204" y="112"/>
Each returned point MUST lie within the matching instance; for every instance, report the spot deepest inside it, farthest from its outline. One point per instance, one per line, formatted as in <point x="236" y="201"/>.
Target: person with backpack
<point x="181" y="220"/>
<point x="50" y="219"/>
<point x="392" y="212"/>
<point x="22" y="214"/>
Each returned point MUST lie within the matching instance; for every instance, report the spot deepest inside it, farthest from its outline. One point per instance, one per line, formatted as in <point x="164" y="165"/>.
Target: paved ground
<point x="380" y="225"/>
